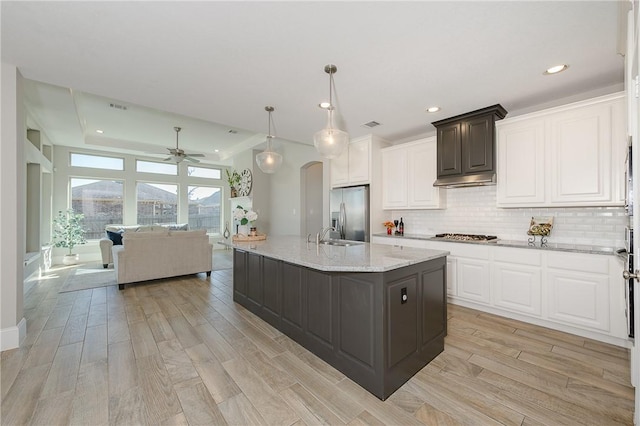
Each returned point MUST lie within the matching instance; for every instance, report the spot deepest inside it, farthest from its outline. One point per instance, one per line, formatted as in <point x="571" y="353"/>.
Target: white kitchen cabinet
<point x="473" y="272"/>
<point x="408" y="173"/>
<point x="578" y="290"/>
<point x="394" y="178"/>
<point x="566" y="156"/>
<point x="578" y="293"/>
<point x="353" y="167"/>
<point x="521" y="174"/>
<point x="517" y="283"/>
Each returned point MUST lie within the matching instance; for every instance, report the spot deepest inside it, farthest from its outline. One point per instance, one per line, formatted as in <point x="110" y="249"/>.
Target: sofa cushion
<point x="116" y="237"/>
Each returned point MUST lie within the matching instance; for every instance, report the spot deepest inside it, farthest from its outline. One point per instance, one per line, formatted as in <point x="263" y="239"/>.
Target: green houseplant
<point x="234" y="180"/>
<point x="68" y="233"/>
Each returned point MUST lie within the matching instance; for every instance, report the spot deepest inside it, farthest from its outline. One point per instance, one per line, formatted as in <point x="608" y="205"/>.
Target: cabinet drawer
<point x="519" y="256"/>
<point x="578" y="262"/>
<point x="468" y="250"/>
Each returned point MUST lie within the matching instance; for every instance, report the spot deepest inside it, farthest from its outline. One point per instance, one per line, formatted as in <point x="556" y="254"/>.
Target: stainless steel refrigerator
<point x="349" y="212"/>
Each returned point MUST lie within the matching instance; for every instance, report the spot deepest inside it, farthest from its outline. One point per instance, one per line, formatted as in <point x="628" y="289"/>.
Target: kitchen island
<point x="377" y="313"/>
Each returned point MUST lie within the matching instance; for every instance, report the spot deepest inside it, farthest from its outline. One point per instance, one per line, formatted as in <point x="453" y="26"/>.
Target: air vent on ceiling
<point x="371" y="124"/>
<point x="118" y="106"/>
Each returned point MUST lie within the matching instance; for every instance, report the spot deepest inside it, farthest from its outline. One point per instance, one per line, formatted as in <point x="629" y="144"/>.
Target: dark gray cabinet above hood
<point x="466" y="148"/>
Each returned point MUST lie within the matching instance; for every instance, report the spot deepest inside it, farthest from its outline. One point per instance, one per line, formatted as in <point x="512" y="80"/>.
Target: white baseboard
<point x="12" y="337"/>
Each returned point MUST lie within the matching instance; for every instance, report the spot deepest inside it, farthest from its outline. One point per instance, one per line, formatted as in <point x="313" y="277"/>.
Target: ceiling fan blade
<point x="196" y="155"/>
<point x="168" y="159"/>
<point x="190" y="159"/>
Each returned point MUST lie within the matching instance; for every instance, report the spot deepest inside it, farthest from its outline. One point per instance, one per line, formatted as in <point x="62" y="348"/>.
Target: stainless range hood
<point x="479" y="179"/>
<point x="466" y="148"/>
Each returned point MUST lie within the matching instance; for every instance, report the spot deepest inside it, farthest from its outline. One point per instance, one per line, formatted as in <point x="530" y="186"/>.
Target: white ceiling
<point x="194" y="64"/>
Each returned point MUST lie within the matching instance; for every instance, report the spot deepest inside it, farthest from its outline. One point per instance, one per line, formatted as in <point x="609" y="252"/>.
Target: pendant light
<point x="330" y="141"/>
<point x="268" y="160"/>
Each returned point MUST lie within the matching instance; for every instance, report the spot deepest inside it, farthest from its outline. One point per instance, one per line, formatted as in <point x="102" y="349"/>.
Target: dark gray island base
<point x="377" y="328"/>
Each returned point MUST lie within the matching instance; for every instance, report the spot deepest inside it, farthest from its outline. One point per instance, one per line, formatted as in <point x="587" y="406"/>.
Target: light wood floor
<point x="179" y="351"/>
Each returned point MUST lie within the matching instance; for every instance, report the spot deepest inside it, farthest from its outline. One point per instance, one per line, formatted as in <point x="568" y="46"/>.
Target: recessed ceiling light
<point x="99" y="131"/>
<point x="324" y="105"/>
<point x="433" y="109"/>
<point x="216" y="150"/>
<point x="556" y="69"/>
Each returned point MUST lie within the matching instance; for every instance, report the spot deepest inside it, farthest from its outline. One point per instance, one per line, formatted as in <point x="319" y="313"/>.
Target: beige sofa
<point x="161" y="254"/>
<point x="106" y="243"/>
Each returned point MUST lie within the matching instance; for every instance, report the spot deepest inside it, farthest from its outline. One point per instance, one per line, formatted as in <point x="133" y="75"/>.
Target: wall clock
<point x="245" y="183"/>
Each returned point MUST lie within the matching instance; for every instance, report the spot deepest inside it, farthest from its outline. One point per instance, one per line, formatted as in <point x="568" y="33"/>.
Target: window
<point x="204" y="208"/>
<point x="153" y="167"/>
<point x="100" y="201"/>
<point x="157" y="203"/>
<point x="96" y="161"/>
<point x="193" y="171"/>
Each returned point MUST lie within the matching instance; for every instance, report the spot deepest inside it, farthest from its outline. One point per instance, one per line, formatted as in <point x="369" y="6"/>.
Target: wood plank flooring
<point x="179" y="351"/>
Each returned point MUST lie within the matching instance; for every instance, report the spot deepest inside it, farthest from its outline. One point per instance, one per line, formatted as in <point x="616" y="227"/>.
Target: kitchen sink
<point x="341" y="243"/>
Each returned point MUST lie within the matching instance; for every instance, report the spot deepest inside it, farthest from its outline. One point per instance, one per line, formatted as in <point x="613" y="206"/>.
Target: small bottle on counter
<point x="401" y="227"/>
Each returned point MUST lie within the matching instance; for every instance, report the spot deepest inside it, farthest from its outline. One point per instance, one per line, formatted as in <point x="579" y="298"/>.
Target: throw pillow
<point x="116" y="237"/>
<point x="176" y="226"/>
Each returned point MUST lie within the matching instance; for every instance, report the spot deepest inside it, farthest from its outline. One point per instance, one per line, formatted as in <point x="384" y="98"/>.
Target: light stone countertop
<point x="364" y="257"/>
<point x="574" y="248"/>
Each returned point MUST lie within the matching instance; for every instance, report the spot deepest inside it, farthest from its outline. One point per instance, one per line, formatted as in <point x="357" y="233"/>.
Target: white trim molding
<point x="12" y="337"/>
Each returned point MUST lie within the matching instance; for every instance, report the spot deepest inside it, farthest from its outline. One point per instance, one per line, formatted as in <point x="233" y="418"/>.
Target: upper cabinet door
<point x="394" y="178"/>
<point x="450" y="148"/>
<point x="477" y="144"/>
<point x="422" y="174"/>
<point x="521" y="176"/>
<point x="340" y="169"/>
<point x="359" y="161"/>
<point x="580" y="147"/>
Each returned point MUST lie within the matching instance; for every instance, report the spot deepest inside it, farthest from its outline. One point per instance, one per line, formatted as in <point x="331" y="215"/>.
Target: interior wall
<point x="285" y="190"/>
<point x="312" y="190"/>
<point x="12" y="194"/>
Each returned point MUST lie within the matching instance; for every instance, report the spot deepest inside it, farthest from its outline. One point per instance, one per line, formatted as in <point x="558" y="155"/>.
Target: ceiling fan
<point x="177" y="154"/>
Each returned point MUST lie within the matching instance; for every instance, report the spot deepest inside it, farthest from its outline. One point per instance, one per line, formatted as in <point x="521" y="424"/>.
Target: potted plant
<point x="68" y="233"/>
<point x="234" y="181"/>
<point x="245" y="216"/>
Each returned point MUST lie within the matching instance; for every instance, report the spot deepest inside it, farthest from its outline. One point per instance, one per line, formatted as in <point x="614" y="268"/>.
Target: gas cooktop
<point x="468" y="237"/>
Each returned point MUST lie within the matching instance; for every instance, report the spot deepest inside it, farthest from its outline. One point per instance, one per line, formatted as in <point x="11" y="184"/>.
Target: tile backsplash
<point x="473" y="211"/>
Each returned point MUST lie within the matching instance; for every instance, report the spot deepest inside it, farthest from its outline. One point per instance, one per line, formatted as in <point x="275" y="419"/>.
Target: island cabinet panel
<point x="255" y="289"/>
<point x="319" y="307"/>
<point x="356" y="322"/>
<point x="434" y="312"/>
<point x="402" y="319"/>
<point x="378" y="328"/>
<point x="239" y="274"/>
<point x="272" y="291"/>
<point x="291" y="299"/>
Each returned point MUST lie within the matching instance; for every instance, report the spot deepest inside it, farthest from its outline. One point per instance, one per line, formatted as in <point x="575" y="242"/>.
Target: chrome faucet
<point x="320" y="235"/>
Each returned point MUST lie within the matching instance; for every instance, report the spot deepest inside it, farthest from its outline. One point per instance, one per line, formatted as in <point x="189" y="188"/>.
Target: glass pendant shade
<point x="330" y="142"/>
<point x="269" y="161"/>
